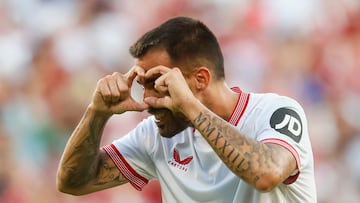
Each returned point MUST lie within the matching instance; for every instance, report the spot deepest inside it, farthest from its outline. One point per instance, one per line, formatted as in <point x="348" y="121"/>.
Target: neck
<point x="220" y="99"/>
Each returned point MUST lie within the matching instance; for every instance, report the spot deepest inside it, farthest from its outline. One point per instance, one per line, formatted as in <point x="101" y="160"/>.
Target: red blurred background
<point x="52" y="52"/>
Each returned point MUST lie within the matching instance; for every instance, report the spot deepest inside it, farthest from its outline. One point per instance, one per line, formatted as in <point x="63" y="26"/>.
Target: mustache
<point x="152" y="110"/>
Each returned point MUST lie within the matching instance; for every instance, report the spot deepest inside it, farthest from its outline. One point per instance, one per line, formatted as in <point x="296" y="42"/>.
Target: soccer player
<point x="204" y="142"/>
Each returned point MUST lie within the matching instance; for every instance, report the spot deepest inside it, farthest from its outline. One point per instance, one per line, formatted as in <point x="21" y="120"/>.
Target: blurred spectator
<point x="53" y="52"/>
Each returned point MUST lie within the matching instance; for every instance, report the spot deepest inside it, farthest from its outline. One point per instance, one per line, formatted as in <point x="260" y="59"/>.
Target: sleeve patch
<point x="287" y="122"/>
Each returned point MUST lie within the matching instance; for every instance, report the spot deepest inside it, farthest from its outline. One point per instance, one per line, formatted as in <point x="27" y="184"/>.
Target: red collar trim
<point x="240" y="107"/>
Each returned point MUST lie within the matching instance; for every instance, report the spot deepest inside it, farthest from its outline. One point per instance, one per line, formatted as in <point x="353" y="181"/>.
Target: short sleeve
<point x="130" y="154"/>
<point x="284" y="123"/>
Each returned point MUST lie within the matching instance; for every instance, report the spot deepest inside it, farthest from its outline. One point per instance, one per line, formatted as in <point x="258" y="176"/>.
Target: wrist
<point x="192" y="108"/>
<point x="92" y="109"/>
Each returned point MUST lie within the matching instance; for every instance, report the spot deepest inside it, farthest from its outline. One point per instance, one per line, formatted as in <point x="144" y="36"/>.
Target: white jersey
<point x="190" y="171"/>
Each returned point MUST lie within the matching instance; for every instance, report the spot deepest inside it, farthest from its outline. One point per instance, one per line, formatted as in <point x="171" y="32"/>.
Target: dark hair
<point x="188" y="42"/>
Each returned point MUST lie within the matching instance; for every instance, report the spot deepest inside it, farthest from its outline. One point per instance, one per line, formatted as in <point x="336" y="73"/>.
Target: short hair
<point x="188" y="42"/>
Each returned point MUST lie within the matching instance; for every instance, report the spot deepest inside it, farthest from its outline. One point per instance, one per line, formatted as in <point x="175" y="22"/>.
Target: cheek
<point x="181" y="117"/>
<point x="180" y="121"/>
<point x="191" y="83"/>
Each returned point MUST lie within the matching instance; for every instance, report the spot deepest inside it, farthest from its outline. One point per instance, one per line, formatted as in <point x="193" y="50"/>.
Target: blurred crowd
<point x="52" y="52"/>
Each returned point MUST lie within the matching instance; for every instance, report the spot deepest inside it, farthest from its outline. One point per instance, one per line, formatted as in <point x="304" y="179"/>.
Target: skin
<point x="177" y="102"/>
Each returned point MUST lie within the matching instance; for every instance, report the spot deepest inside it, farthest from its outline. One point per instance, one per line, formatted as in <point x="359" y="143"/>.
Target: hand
<point x="113" y="93"/>
<point x="173" y="85"/>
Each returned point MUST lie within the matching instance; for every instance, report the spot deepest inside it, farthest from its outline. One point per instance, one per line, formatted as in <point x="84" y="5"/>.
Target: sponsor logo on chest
<point x="179" y="163"/>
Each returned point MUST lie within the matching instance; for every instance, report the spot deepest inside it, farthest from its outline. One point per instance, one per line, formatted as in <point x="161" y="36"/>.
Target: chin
<point x="170" y="130"/>
<point x="170" y="125"/>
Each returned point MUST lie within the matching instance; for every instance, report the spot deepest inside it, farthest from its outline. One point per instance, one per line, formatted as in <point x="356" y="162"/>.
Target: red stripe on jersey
<point x="124" y="167"/>
<point x="285" y="144"/>
<point x="240" y="107"/>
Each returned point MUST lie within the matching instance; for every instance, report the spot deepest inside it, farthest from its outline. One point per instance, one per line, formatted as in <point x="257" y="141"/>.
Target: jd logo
<point x="288" y="122"/>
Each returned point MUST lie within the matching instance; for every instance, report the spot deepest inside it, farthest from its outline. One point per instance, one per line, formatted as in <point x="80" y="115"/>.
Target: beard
<point x="169" y="124"/>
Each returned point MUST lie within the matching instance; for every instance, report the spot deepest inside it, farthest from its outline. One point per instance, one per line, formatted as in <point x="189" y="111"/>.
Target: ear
<point x="202" y="78"/>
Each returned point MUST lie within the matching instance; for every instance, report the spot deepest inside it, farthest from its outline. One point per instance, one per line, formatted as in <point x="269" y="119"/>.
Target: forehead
<point x="153" y="58"/>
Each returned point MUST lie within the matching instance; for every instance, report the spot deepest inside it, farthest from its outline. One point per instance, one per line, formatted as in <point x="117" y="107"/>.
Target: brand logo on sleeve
<point x="287" y="122"/>
<point x="179" y="163"/>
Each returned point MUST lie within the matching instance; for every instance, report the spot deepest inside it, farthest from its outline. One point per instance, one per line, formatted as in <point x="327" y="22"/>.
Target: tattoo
<point x="241" y="154"/>
<point x="217" y="137"/>
<point x="81" y="164"/>
<point x="224" y="146"/>
<point x="232" y="150"/>
<point x="107" y="172"/>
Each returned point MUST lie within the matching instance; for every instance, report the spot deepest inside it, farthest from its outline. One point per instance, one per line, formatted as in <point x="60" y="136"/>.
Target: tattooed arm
<point x="263" y="166"/>
<point x="84" y="168"/>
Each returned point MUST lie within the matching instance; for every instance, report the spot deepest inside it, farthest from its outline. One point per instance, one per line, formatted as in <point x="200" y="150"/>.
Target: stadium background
<point x="52" y="52"/>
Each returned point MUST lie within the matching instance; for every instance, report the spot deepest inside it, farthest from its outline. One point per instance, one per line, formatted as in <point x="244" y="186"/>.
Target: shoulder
<point x="272" y="99"/>
<point x="280" y="113"/>
<point x="275" y="105"/>
<point x="269" y="103"/>
<point x="142" y="136"/>
<point x="270" y="110"/>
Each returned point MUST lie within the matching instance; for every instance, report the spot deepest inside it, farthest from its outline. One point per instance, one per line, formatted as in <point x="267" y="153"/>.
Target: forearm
<point x="258" y="164"/>
<point x="80" y="159"/>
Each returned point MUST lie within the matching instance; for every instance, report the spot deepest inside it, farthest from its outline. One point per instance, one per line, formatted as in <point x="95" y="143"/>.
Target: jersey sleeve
<point x="283" y="122"/>
<point x="131" y="156"/>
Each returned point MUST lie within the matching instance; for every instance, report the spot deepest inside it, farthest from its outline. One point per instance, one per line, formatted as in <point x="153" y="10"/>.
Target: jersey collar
<point x="240" y="106"/>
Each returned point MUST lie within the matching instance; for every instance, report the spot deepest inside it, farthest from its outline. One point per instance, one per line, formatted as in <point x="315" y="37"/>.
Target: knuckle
<point x="106" y="97"/>
<point x="101" y="81"/>
<point x="115" y="94"/>
<point x="122" y="93"/>
<point x="115" y="74"/>
<point x="104" y="80"/>
<point x="107" y="77"/>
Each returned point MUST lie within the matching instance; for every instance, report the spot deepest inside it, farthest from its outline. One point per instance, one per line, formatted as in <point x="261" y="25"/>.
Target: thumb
<point x="129" y="105"/>
<point x="138" y="106"/>
<point x="157" y="102"/>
